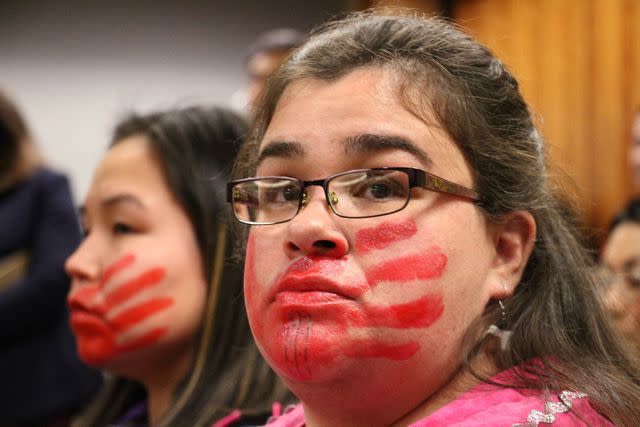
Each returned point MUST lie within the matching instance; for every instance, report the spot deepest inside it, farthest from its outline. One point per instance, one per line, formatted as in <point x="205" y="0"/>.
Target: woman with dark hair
<point x="154" y="299"/>
<point x="42" y="380"/>
<point x="621" y="261"/>
<point x="407" y="259"/>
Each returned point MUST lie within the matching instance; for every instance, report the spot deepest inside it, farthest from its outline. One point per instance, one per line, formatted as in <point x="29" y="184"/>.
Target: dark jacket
<point x="40" y="373"/>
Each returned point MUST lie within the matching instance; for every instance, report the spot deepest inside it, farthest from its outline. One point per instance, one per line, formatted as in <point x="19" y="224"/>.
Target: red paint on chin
<point x="413" y="267"/>
<point x="375" y="349"/>
<point x="384" y="235"/>
<point x="96" y="341"/>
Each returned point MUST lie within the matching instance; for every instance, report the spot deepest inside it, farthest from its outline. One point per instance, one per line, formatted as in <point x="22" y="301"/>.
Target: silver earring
<point x="503" y="335"/>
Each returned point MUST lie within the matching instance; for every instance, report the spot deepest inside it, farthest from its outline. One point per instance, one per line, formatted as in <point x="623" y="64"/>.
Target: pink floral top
<point x="488" y="405"/>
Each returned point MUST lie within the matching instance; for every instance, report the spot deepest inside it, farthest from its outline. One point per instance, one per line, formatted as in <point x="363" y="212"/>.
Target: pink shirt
<point x="487" y="405"/>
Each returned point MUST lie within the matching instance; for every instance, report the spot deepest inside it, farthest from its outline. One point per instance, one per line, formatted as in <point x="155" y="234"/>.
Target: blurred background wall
<point x="75" y="67"/>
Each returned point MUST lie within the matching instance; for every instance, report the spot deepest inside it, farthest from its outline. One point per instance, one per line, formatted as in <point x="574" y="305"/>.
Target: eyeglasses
<point x="359" y="193"/>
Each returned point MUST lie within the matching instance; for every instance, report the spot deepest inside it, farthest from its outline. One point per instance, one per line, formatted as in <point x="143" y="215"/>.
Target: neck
<point x="340" y="413"/>
<point x="162" y="381"/>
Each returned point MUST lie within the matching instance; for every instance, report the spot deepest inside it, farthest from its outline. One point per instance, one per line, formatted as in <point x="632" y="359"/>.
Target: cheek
<point x="251" y="289"/>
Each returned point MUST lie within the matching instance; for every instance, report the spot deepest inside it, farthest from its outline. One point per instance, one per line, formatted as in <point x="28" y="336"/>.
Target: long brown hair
<point x="555" y="314"/>
<point x="18" y="155"/>
<point x="196" y="147"/>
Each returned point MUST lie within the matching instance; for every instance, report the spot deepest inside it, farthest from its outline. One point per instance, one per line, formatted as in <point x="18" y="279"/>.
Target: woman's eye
<point x="122" y="228"/>
<point x="378" y="188"/>
<point x="634" y="279"/>
<point x="380" y="191"/>
<point x="281" y="195"/>
<point x="290" y="194"/>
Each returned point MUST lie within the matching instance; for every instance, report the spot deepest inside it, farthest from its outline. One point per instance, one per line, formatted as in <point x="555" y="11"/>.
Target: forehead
<point x="322" y="115"/>
<point x="623" y="245"/>
<point x="129" y="166"/>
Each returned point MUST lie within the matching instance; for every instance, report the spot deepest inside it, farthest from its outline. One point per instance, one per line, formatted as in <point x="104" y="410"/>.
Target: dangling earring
<point x="495" y="330"/>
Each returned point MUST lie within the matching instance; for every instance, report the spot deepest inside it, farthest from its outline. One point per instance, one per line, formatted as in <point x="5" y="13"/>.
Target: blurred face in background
<point x="621" y="259"/>
<point x="138" y="288"/>
<point x="260" y="67"/>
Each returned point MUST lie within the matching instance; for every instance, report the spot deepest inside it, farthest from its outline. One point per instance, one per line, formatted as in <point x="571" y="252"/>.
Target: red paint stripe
<point x="129" y="289"/>
<point x="117" y="266"/>
<point x="149" y="338"/>
<point x="420" y="313"/>
<point x="384" y="235"/>
<point x="413" y="267"/>
<point x="138" y="313"/>
<point x="374" y="349"/>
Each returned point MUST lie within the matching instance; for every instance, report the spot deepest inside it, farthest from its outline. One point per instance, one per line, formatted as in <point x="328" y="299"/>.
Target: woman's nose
<point x="314" y="231"/>
<point x="83" y="265"/>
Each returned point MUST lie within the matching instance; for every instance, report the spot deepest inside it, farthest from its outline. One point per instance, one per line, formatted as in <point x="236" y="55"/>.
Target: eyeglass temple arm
<point x="441" y="185"/>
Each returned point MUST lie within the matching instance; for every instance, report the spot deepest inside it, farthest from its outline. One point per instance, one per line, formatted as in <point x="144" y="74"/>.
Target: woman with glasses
<point x="407" y="261"/>
<point x="154" y="300"/>
<point x="621" y="261"/>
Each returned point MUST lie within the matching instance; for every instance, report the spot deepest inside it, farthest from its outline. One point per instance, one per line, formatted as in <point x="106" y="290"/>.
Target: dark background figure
<point x="265" y="55"/>
<point x="42" y="380"/>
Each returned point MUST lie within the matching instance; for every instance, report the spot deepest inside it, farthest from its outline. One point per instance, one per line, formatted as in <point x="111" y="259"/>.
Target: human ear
<point x="513" y="240"/>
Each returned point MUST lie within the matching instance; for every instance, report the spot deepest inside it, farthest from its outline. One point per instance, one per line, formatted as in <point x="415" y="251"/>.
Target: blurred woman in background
<point x="621" y="260"/>
<point x="42" y="381"/>
<point x="154" y="300"/>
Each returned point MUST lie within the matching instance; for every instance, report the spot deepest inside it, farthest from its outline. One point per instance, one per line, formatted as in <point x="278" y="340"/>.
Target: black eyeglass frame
<point x="417" y="178"/>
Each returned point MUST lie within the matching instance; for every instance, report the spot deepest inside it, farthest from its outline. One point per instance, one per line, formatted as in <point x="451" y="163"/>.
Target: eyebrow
<point x="372" y="143"/>
<point x="283" y="149"/>
<point x="122" y="198"/>
<point x="114" y="200"/>
<point x="364" y="143"/>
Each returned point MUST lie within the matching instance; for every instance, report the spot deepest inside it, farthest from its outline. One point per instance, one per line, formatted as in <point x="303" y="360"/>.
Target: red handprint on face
<point x="100" y="322"/>
<point x="310" y="332"/>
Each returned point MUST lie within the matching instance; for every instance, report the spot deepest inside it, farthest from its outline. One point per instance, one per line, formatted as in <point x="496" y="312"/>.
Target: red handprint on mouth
<point x="99" y="322"/>
<point x="305" y="342"/>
